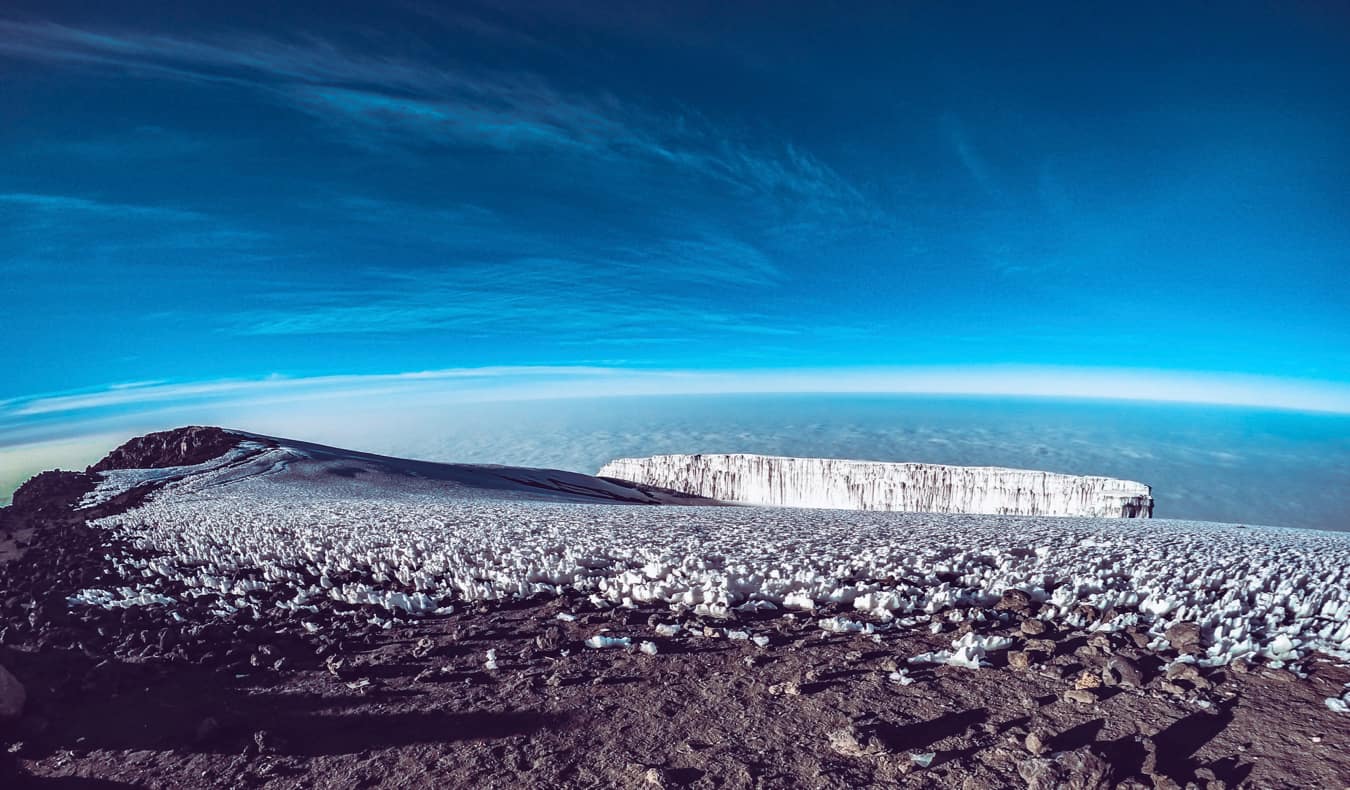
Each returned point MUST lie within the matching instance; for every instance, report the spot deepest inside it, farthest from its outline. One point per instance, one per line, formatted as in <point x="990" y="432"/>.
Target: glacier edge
<point x="877" y="485"/>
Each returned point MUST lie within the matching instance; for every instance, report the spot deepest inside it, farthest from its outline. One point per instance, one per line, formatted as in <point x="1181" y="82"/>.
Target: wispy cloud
<point x="505" y="383"/>
<point x="385" y="98"/>
<point x="38" y="231"/>
<point x="555" y="298"/>
<point x="64" y="205"/>
<point x="969" y="157"/>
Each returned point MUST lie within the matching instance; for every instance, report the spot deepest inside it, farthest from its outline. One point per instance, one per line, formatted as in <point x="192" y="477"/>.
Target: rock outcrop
<point x="874" y="485"/>
<point x="179" y="447"/>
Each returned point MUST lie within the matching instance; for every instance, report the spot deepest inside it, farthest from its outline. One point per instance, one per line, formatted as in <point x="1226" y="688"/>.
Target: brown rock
<point x="1184" y="636"/>
<point x="1081" y="696"/>
<point x="1088" y="680"/>
<point x="1079" y="769"/>
<point x="1014" y="601"/>
<point x="1037" y="743"/>
<point x="1019" y="659"/>
<point x="553" y="637"/>
<point x="1121" y="671"/>
<point x="1040" y="646"/>
<point x="1033" y="627"/>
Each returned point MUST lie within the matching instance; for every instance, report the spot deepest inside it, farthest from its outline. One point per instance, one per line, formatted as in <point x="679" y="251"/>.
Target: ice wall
<point x="873" y="485"/>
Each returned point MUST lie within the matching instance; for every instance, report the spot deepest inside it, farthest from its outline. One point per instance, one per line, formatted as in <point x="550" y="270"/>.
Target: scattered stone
<point x="850" y="742"/>
<point x="1088" y="680"/>
<point x="551" y="638"/>
<point x="1016" y="601"/>
<point x="268" y="742"/>
<point x="1121" y="671"/>
<point x="1033" y="627"/>
<point x="1019" y="659"/>
<point x="1188" y="673"/>
<point x="423" y="648"/>
<point x="1100" y="641"/>
<point x="1037" y="743"/>
<point x="1040" y="646"/>
<point x="1184" y="636"/>
<point x="790" y="688"/>
<point x="1173" y="688"/>
<point x="1079" y="769"/>
<point x="1182" y="671"/>
<point x="1089" y="655"/>
<point x="1057" y="671"/>
<point x="1081" y="696"/>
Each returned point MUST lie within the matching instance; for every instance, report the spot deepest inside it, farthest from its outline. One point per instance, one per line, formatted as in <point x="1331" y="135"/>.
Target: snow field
<point x="1274" y="593"/>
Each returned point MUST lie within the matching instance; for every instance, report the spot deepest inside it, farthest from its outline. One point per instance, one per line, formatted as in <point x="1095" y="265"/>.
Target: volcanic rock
<point x="1079" y="769"/>
<point x="179" y="447"/>
<point x="1184" y="637"/>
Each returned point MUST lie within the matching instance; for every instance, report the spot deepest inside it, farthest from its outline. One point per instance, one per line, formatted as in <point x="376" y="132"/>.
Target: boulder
<point x="1079" y="769"/>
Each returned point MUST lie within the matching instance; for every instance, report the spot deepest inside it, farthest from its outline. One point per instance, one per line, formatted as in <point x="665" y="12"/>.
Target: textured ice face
<point x="873" y="485"/>
<point x="415" y="547"/>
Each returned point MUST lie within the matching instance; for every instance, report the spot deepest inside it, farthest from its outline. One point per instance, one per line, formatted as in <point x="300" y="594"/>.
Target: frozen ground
<point x="412" y="541"/>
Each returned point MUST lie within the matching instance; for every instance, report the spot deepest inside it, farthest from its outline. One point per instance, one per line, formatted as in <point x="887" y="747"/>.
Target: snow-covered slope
<point x="874" y="485"/>
<point x="289" y="464"/>
<point x="281" y="525"/>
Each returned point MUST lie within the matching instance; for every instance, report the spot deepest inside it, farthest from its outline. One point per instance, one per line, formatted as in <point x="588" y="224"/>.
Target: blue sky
<point x="202" y="200"/>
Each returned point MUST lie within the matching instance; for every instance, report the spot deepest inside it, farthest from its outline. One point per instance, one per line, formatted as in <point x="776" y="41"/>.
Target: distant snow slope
<point x="874" y="485"/>
<point x="310" y="467"/>
<point x="409" y="539"/>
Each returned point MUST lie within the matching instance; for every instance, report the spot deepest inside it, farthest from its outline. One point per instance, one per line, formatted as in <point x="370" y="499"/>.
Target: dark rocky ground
<point x="137" y="698"/>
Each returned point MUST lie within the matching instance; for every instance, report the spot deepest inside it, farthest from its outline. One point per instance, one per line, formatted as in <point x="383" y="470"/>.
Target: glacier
<point x="874" y="485"/>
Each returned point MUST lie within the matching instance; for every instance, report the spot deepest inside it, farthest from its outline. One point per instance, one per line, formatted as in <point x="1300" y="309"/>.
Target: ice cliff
<point x="874" y="485"/>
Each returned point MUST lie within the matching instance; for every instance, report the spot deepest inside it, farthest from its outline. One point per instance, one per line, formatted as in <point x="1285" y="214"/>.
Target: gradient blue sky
<point x="198" y="198"/>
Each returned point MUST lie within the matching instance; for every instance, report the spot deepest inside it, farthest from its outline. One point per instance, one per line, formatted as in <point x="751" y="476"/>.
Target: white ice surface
<point x="115" y="482"/>
<point x="290" y="520"/>
<point x="873" y="485"/>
